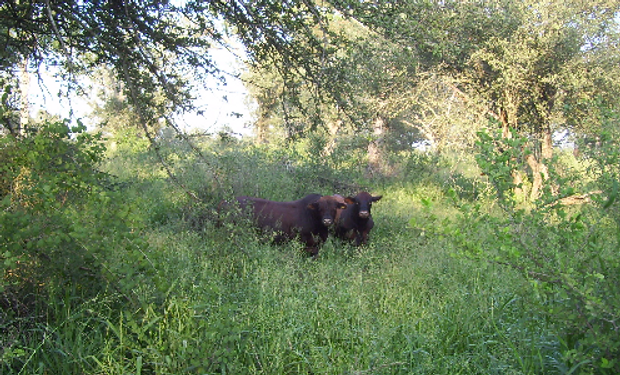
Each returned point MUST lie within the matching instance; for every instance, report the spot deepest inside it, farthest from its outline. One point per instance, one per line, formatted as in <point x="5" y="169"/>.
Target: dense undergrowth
<point x="152" y="286"/>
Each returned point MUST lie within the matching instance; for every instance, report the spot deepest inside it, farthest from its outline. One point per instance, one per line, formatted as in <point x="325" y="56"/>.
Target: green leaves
<point x="613" y="195"/>
<point x="567" y="252"/>
<point x="57" y="220"/>
<point x="498" y="158"/>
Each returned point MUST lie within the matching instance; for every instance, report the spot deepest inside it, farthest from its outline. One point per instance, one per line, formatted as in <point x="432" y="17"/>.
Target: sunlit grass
<point x="212" y="299"/>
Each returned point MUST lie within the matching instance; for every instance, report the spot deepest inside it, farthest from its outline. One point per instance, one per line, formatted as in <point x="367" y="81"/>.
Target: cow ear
<point x="349" y="200"/>
<point x="374" y="199"/>
<point x="313" y="206"/>
<point x="341" y="206"/>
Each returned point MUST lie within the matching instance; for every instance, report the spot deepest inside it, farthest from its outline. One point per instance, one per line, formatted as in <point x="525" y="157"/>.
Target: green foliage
<point x="534" y="66"/>
<point x="499" y="157"/>
<point x="219" y="299"/>
<point x="59" y="225"/>
<point x="125" y="273"/>
<point x="158" y="51"/>
<point x="240" y="306"/>
<point x="568" y="253"/>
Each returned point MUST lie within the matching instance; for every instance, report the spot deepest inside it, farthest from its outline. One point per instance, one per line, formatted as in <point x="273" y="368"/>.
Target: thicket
<point x="109" y="267"/>
<point x="110" y="258"/>
<point x="565" y="243"/>
<point x="65" y="232"/>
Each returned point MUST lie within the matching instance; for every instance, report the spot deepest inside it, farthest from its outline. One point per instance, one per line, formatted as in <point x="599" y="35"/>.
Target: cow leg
<point x="359" y="239"/>
<point x="312" y="251"/>
<point x="312" y="245"/>
<point x="362" y="238"/>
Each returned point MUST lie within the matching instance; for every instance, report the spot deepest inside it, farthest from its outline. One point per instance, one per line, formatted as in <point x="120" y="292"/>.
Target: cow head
<point x="340" y="199"/>
<point x="362" y="203"/>
<point x="326" y="208"/>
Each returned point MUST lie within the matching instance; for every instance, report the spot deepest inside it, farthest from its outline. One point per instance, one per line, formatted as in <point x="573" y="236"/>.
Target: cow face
<point x="362" y="202"/>
<point x="325" y="208"/>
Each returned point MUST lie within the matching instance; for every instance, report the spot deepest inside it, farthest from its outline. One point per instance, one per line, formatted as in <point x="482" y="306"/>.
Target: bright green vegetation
<point x="129" y="274"/>
<point x="495" y="252"/>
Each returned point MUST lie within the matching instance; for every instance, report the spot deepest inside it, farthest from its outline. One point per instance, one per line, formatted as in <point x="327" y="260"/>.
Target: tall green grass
<point x="211" y="299"/>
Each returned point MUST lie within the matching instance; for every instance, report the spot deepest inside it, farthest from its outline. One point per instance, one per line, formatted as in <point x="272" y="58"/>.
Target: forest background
<point x="490" y="128"/>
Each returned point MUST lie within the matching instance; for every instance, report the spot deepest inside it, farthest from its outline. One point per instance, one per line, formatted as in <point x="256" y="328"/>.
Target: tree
<point x="538" y="70"/>
<point x="364" y="88"/>
<point x="441" y="115"/>
<point x="531" y="65"/>
<point x="155" y="46"/>
<point x="156" y="50"/>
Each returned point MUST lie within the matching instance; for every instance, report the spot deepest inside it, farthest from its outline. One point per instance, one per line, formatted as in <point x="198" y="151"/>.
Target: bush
<point x="59" y="225"/>
<point x="567" y="252"/>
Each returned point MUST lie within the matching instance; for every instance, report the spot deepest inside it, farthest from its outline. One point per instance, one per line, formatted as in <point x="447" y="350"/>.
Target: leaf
<point x="605" y="363"/>
<point x="427" y="202"/>
<point x="613" y="196"/>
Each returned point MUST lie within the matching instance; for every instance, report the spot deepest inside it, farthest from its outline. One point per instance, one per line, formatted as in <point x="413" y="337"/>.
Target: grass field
<point x="202" y="299"/>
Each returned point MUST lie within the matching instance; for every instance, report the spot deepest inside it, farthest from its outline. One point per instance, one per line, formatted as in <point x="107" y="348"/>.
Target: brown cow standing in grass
<point x="355" y="221"/>
<point x="306" y="219"/>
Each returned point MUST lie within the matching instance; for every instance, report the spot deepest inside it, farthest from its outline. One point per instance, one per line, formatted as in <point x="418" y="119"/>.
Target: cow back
<point x="284" y="217"/>
<point x="306" y="218"/>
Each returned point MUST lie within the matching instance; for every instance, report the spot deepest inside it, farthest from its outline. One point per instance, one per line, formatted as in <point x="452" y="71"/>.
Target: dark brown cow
<point x="306" y="219"/>
<point x="355" y="221"/>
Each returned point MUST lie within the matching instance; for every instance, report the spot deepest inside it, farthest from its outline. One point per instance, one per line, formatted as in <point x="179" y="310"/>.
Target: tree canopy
<point x="522" y="60"/>
<point x="533" y="67"/>
<point x="527" y="63"/>
<point x="153" y="46"/>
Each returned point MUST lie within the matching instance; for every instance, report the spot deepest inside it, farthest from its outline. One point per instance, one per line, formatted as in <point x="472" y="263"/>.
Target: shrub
<point x="59" y="224"/>
<point x="568" y="253"/>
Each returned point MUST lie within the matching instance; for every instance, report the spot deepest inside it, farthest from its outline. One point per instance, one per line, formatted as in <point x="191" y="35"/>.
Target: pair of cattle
<point x="309" y="218"/>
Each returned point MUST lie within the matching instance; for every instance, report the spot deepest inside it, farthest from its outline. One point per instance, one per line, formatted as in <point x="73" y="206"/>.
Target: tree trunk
<point x="547" y="144"/>
<point x="505" y="125"/>
<point x="333" y="127"/>
<point x="375" y="151"/>
<point x="537" y="178"/>
<point x="24" y="89"/>
<point x="540" y="172"/>
<point x="260" y="129"/>
<point x="509" y="121"/>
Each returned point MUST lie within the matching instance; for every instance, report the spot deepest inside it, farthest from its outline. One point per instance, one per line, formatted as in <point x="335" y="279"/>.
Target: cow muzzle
<point x="327" y="222"/>
<point x="364" y="214"/>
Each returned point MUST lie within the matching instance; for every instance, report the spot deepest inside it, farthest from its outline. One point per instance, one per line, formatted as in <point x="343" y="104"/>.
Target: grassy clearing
<point x="387" y="308"/>
<point x="221" y="300"/>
